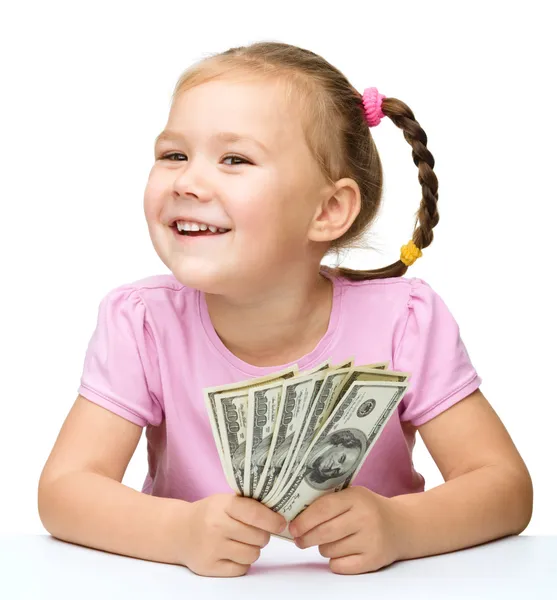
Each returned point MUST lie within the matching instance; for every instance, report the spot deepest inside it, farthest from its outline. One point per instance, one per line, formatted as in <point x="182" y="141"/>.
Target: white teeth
<point x="190" y="226"/>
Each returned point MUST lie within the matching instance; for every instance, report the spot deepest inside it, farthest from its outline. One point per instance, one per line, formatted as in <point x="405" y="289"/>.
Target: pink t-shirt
<point x="154" y="349"/>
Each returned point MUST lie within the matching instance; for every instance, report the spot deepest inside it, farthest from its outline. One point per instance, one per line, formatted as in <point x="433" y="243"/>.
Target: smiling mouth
<point x="205" y="233"/>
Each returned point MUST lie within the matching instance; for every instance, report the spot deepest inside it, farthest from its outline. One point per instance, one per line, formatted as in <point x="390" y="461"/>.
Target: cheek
<point x="352" y="457"/>
<point x="153" y="197"/>
<point x="254" y="214"/>
<point x="270" y="213"/>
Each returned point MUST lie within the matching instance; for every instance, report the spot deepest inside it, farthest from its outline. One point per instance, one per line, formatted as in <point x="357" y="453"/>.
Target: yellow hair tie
<point x="410" y="253"/>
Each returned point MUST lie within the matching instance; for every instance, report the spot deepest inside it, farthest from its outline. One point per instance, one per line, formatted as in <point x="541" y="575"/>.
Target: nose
<point x="189" y="181"/>
<point x="335" y="462"/>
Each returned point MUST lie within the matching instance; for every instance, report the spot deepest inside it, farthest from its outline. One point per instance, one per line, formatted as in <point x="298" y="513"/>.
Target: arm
<point x="487" y="492"/>
<point x="81" y="498"/>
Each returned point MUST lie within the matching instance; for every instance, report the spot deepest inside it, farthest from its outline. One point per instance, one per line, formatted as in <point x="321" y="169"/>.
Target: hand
<point x="355" y="528"/>
<point x="224" y="534"/>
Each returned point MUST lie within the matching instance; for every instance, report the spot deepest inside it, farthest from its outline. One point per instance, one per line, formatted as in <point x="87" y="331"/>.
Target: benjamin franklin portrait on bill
<point x="335" y="458"/>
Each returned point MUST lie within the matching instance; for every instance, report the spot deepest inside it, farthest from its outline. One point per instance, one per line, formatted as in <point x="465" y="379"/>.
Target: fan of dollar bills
<point x="287" y="438"/>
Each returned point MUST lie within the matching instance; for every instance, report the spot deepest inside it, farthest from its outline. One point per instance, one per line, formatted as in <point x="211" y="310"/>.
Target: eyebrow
<point x="225" y="136"/>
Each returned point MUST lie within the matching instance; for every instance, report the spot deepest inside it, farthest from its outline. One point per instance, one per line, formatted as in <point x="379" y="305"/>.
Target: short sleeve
<point x="120" y="370"/>
<point x="432" y="351"/>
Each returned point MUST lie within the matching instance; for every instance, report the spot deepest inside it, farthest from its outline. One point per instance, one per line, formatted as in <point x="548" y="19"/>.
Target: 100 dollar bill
<point x="210" y="395"/>
<point x="296" y="393"/>
<point x="337" y="453"/>
<point x="263" y="403"/>
<point x="322" y="388"/>
<point x="334" y="388"/>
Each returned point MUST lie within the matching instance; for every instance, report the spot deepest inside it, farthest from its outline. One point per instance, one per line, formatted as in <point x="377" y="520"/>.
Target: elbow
<point x="47" y="500"/>
<point x="522" y="491"/>
<point x="43" y="505"/>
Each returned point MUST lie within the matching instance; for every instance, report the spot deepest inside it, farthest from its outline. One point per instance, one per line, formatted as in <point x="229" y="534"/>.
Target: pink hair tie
<point x="372" y="100"/>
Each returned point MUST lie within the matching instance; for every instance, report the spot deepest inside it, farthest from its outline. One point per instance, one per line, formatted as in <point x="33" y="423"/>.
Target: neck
<point x="280" y="326"/>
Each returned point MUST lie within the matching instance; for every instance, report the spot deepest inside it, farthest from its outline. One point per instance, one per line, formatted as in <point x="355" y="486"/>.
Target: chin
<point x="198" y="277"/>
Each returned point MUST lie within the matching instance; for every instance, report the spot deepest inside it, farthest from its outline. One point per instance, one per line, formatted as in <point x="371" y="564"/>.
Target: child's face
<point x="268" y="203"/>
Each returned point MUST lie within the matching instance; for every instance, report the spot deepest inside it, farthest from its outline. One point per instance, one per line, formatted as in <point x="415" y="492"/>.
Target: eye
<point x="242" y="160"/>
<point x="171" y="154"/>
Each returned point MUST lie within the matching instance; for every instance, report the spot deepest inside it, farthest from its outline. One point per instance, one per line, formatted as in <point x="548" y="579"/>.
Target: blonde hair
<point x="336" y="132"/>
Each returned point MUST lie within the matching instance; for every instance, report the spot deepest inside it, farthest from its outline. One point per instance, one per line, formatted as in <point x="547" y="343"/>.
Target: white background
<point x="87" y="88"/>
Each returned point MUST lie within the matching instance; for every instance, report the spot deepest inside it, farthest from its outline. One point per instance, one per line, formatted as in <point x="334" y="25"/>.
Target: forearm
<point x="95" y="511"/>
<point x="477" y="507"/>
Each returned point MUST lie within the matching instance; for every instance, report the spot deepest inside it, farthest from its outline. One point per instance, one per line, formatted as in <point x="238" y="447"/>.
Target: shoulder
<point x="401" y="307"/>
<point x="392" y="285"/>
<point x="390" y="294"/>
<point x="147" y="302"/>
<point x="152" y="283"/>
<point x="148" y="290"/>
<point x="428" y="327"/>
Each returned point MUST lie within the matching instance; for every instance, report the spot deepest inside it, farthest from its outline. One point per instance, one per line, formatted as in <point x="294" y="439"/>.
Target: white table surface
<point x="37" y="567"/>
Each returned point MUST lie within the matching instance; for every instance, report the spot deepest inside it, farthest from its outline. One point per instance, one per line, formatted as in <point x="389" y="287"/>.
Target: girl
<point x="266" y="165"/>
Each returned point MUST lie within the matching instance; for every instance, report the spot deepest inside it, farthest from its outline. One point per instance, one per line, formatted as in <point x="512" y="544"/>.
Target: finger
<point x="252" y="512"/>
<point x="244" y="554"/>
<point x="229" y="568"/>
<point x="348" y="565"/>
<point x="247" y="534"/>
<point x="344" y="547"/>
<point x="323" y="509"/>
<point x="330" y="531"/>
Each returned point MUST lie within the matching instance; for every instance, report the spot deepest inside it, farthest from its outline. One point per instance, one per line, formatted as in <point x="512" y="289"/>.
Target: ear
<point x="337" y="212"/>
